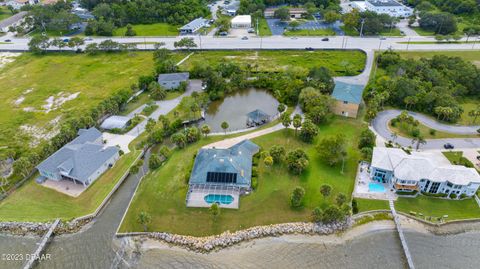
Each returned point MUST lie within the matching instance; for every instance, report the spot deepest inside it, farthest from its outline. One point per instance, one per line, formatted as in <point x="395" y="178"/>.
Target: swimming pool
<point x="375" y="187"/>
<point x="219" y="198"/>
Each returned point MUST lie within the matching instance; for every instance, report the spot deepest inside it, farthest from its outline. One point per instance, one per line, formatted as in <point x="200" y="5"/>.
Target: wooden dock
<point x="43" y="243"/>
<point x="401" y="235"/>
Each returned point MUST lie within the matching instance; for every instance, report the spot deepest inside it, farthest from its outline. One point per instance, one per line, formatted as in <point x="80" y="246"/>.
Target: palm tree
<point x="144" y="219"/>
<point x="205" y="129"/>
<point x="419" y="140"/>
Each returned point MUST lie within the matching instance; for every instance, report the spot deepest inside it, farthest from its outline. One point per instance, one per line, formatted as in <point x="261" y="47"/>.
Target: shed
<point x="172" y="80"/>
<point x="115" y="122"/>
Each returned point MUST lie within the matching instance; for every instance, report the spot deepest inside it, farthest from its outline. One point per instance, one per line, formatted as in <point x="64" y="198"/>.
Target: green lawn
<point x="156" y="29"/>
<point x="136" y="103"/>
<point x="435" y="207"/>
<point x="278" y="60"/>
<point x="4" y="13"/>
<point x="263" y="29"/>
<point x="33" y="202"/>
<point x="386" y="32"/>
<point x="422" y="32"/>
<point x="368" y="205"/>
<point x="36" y="78"/>
<point x="473" y="56"/>
<point x="425" y="132"/>
<point x="162" y="193"/>
<point x="456" y="157"/>
<point x="309" y="32"/>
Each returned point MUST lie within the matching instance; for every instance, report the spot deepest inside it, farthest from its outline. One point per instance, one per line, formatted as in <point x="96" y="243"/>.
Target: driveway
<point x="403" y="26"/>
<point x="380" y="125"/>
<point x="363" y="78"/>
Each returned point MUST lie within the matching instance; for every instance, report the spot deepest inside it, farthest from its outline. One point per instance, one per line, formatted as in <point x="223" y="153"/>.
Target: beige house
<point x="348" y="98"/>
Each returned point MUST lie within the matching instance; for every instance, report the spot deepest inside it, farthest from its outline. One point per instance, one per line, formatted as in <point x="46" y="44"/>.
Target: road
<point x="380" y="125"/>
<point x="275" y="42"/>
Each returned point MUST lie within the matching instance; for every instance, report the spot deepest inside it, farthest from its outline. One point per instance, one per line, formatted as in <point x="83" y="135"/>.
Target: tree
<point x="367" y="139"/>
<point x="317" y="214"/>
<point x="224" y="126"/>
<point x="297" y="161"/>
<point x="150" y="125"/>
<point x="308" y="131"/>
<point x="297" y="122"/>
<point x="419" y="140"/>
<point x="332" y="149"/>
<point x="341" y="199"/>
<point x="474" y="113"/>
<point x="92" y="49"/>
<point x="192" y="134"/>
<point x="331" y="16"/>
<point x="296" y="198"/>
<point x="38" y="44"/>
<point x="325" y="190"/>
<point x="282" y="13"/>
<point x="268" y="161"/>
<point x="286" y="120"/>
<point x="130" y="31"/>
<point x="281" y="107"/>
<point x="294" y="25"/>
<point x="351" y="20"/>
<point x="57" y="42"/>
<point x="154" y="162"/>
<point x="185" y="43"/>
<point x="144" y="219"/>
<point x="76" y="42"/>
<point x="179" y="139"/>
<point x="22" y="166"/>
<point x="205" y="130"/>
<point x="164" y="151"/>
<point x="134" y="169"/>
<point x="331" y="214"/>
<point x="156" y="91"/>
<point x="214" y="210"/>
<point x="277" y="153"/>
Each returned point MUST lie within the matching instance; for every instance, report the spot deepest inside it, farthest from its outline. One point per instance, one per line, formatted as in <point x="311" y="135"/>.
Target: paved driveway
<point x="380" y="125"/>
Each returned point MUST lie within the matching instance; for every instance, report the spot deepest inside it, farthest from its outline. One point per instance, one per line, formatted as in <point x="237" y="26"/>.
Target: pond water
<point x="234" y="108"/>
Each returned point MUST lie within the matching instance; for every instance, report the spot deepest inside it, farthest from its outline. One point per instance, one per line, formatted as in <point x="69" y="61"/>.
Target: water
<point x="375" y="187"/>
<point x="219" y="198"/>
<point x="234" y="107"/>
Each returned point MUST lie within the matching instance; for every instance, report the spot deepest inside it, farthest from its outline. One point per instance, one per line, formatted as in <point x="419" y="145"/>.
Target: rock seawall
<point x="40" y="228"/>
<point x="226" y="239"/>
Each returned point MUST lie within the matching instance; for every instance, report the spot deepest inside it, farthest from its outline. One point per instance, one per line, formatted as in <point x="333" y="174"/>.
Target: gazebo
<point x="257" y="117"/>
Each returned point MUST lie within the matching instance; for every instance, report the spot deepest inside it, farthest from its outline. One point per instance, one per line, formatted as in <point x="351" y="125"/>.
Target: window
<point x="434" y="187"/>
<point x="345" y="102"/>
<point x="449" y="184"/>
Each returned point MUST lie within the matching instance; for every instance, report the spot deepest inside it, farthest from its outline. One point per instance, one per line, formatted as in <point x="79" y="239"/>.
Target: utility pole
<point x="257" y="28"/>
<point x="361" y="27"/>
<point x="200" y="38"/>
<point x="408" y="43"/>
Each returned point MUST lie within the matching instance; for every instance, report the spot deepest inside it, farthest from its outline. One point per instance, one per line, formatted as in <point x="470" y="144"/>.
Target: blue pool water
<point x="375" y="187"/>
<point x="219" y="198"/>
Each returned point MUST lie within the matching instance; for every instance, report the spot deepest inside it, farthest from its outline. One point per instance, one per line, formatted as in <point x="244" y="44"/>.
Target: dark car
<point x="8" y="40"/>
<point x="66" y="40"/>
<point x="448" y="146"/>
<point x="309" y="48"/>
<point x="478" y="157"/>
<point x="325" y="39"/>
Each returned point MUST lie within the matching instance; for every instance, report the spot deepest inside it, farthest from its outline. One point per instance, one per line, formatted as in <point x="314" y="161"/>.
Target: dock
<point x="401" y="235"/>
<point x="41" y="247"/>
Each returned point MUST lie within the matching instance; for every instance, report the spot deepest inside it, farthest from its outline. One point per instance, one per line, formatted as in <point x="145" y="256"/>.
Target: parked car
<point x="325" y="39"/>
<point x="383" y="38"/>
<point x="251" y="30"/>
<point x="478" y="157"/>
<point x="294" y="38"/>
<point x="448" y="146"/>
<point x="245" y="38"/>
<point x="309" y="48"/>
<point x="8" y="40"/>
<point x="66" y="40"/>
<point x="88" y="39"/>
<point x="223" y="34"/>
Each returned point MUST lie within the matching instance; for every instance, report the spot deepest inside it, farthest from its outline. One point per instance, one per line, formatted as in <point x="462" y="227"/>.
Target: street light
<point x="361" y="27"/>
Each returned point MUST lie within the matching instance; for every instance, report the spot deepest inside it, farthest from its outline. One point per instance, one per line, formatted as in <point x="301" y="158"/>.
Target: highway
<point x="275" y="42"/>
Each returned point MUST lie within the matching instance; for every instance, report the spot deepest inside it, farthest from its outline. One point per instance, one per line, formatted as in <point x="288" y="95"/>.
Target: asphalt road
<point x="380" y="125"/>
<point x="273" y="42"/>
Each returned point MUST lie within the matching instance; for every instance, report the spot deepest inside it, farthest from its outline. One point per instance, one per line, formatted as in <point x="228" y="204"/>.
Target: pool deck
<point x="362" y="190"/>
<point x="196" y="198"/>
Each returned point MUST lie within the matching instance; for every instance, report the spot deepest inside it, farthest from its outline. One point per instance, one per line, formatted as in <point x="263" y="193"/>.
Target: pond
<point x="234" y="108"/>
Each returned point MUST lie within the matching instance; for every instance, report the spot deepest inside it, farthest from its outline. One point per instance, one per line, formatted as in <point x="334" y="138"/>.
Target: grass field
<point x="263" y="29"/>
<point x="5" y="13"/>
<point x="435" y="207"/>
<point x="36" y="203"/>
<point x="309" y="32"/>
<point x="28" y="82"/>
<point x="473" y="56"/>
<point x="425" y="132"/>
<point x="456" y="157"/>
<point x="467" y="106"/>
<point x="367" y="204"/>
<point x="277" y="60"/>
<point x="162" y="193"/>
<point x="156" y="29"/>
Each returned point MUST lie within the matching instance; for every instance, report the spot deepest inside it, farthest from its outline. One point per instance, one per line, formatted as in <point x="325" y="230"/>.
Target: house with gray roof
<point x="348" y="98"/>
<point x="82" y="160"/>
<point x="193" y="26"/>
<point x="426" y="172"/>
<point x="221" y="175"/>
<point x="14" y="20"/>
<point x="171" y="81"/>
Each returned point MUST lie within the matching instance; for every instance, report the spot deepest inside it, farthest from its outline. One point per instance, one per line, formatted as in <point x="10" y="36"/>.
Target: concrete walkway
<point x="380" y="125"/>
<point x="232" y="141"/>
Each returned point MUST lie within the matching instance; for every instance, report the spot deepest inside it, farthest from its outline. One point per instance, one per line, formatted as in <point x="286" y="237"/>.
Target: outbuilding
<point x="115" y="122"/>
<point x="242" y="21"/>
<point x="172" y="81"/>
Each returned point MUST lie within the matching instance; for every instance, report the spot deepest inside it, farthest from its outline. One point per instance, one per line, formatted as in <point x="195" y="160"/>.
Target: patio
<point x="65" y="186"/>
<point x="365" y="187"/>
<point x="197" y="193"/>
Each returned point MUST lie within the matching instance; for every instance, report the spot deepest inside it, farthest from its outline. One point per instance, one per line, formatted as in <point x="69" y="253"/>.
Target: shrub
<point x="277" y="153"/>
<point x="254" y="183"/>
<point x="463" y="196"/>
<point x="415" y="132"/>
<point x="332" y="213"/>
<point x="154" y="162"/>
<point x="296" y="198"/>
<point x="432" y="132"/>
<point x="341" y="199"/>
<point x="354" y="206"/>
<point x="254" y="171"/>
<point x="317" y="214"/>
<point x="453" y="196"/>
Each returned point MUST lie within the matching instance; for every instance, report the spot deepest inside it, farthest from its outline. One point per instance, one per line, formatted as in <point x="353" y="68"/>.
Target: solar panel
<point x="221" y="177"/>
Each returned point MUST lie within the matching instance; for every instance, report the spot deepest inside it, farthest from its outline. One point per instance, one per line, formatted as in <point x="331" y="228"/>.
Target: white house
<point x="242" y="21"/>
<point x="390" y="7"/>
<point x="17" y="4"/>
<point x="422" y="171"/>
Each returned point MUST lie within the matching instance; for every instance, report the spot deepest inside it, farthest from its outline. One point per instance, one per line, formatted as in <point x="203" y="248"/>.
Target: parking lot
<point x="277" y="27"/>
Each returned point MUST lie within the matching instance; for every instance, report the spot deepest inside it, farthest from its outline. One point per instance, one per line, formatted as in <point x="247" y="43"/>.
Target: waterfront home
<point x="171" y="81"/>
<point x="82" y="160"/>
<point x="347" y="99"/>
<point x="426" y="172"/>
<point x="221" y="175"/>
